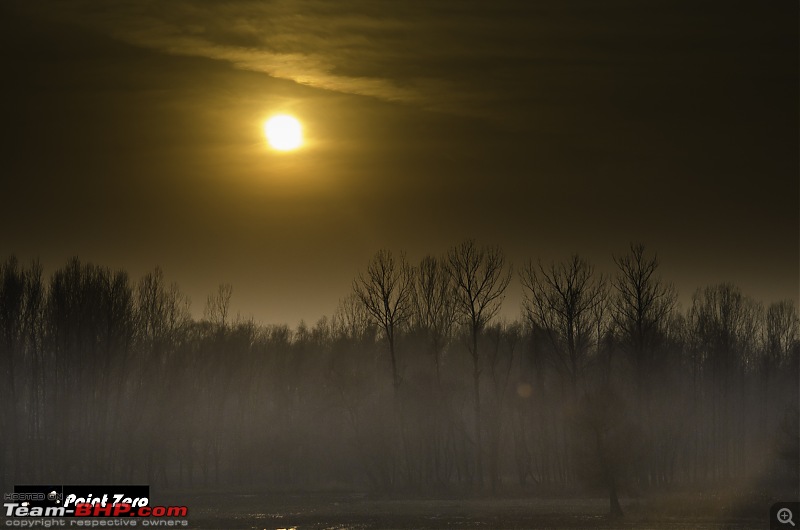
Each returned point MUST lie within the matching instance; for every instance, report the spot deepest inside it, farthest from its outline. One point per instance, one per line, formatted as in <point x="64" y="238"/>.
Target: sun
<point x="284" y="132"/>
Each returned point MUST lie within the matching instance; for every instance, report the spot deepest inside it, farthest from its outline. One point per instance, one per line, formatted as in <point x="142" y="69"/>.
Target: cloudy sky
<point x="133" y="138"/>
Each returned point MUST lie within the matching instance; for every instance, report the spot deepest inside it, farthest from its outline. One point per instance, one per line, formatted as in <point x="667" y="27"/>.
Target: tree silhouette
<point x="641" y="308"/>
<point x="386" y="291"/>
<point x="562" y="300"/>
<point x="101" y="376"/>
<point x="480" y="278"/>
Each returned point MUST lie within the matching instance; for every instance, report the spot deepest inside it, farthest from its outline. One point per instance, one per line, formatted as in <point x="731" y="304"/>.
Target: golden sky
<point x="133" y="138"/>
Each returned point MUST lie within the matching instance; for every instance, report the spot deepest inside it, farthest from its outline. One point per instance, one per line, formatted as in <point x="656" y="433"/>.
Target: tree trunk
<point x="614" y="507"/>
<point x="476" y="379"/>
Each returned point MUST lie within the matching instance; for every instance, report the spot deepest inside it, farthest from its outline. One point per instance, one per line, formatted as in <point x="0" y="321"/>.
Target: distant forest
<point x="413" y="385"/>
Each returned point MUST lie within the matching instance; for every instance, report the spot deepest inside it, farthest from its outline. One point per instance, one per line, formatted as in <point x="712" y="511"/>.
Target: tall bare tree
<point x="434" y="306"/>
<point x="641" y="306"/>
<point x="724" y="325"/>
<point x="563" y="300"/>
<point x="480" y="276"/>
<point x="163" y="322"/>
<point x="385" y="291"/>
<point x="162" y="312"/>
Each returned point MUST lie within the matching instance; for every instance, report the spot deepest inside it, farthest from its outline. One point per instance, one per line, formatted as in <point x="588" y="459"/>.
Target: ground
<point x="357" y="511"/>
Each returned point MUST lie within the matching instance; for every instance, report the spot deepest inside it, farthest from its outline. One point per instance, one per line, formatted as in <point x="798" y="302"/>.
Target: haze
<point x="134" y="139"/>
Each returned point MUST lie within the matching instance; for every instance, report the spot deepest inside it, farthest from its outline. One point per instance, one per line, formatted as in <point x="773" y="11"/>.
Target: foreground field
<point x="352" y="511"/>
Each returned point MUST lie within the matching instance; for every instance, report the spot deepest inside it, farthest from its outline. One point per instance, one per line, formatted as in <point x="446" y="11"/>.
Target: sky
<point x="133" y="138"/>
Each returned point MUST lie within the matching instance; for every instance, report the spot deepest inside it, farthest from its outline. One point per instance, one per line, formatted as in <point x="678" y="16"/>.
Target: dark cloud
<point x="446" y="53"/>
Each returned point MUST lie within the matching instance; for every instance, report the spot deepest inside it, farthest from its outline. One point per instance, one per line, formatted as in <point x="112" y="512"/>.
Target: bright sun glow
<point x="284" y="133"/>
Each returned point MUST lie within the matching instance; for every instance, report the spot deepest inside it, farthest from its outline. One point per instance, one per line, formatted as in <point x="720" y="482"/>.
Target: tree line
<point x="413" y="385"/>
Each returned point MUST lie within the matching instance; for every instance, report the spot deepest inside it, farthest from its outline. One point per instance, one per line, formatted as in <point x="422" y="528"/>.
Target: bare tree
<point x="480" y="277"/>
<point x="782" y="330"/>
<point x="163" y="322"/>
<point x="724" y="325"/>
<point x="352" y="319"/>
<point x="641" y="306"/>
<point x="162" y="311"/>
<point x="385" y="291"/>
<point x="563" y="300"/>
<point x="218" y="305"/>
<point x="434" y="306"/>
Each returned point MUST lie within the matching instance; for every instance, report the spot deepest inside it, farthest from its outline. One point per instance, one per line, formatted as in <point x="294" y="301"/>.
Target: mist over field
<point x="444" y="264"/>
<point x="412" y="389"/>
